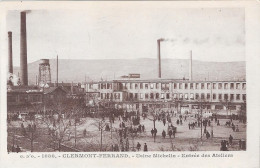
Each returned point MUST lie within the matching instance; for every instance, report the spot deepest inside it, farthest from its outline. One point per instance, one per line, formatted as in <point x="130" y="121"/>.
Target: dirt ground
<point x="185" y="139"/>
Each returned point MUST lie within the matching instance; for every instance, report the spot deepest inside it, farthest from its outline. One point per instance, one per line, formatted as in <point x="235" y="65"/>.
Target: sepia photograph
<point x="126" y="79"/>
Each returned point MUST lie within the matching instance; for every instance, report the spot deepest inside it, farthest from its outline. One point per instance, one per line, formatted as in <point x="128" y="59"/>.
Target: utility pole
<point x="75" y="131"/>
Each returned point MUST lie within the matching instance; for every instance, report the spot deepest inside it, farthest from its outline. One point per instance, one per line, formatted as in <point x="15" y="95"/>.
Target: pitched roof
<point x="52" y="89"/>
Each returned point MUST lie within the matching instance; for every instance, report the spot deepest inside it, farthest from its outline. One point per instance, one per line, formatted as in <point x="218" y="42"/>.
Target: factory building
<point x="183" y="96"/>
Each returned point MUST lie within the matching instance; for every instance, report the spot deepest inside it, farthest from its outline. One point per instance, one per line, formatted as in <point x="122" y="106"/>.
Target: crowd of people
<point x="130" y="125"/>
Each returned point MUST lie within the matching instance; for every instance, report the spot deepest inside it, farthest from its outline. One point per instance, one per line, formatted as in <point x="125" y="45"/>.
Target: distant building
<point x="170" y="94"/>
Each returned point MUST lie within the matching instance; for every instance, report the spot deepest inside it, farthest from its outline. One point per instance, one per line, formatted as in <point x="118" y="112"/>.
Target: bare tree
<point x="60" y="122"/>
<point x="153" y="116"/>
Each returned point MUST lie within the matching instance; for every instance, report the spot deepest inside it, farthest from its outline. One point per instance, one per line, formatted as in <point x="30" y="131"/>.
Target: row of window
<point x="209" y="85"/>
<point x="110" y="95"/>
<point x="166" y="86"/>
<point x="179" y="96"/>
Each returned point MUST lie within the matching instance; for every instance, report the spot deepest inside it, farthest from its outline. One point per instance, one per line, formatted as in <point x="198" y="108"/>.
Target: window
<point x="167" y="86"/>
<point x="181" y="96"/>
<point x="214" y="86"/>
<point x="225" y="96"/>
<point x="136" y="86"/>
<point x="151" y="95"/>
<point x="231" y="85"/>
<point x="214" y="96"/>
<point x="130" y="95"/>
<point x="186" y="85"/>
<point x="208" y="96"/>
<point x="197" y="96"/>
<point x="167" y="95"/>
<point x="220" y="96"/>
<point x="136" y="95"/>
<point x="244" y="96"/>
<point x="238" y="86"/>
<point x="162" y="95"/>
<point x="231" y="96"/>
<point x="244" y="85"/>
<point x="208" y="86"/>
<point x="157" y="85"/>
<point x="174" y="96"/>
<point x="180" y="85"/>
<point x="131" y="85"/>
<point x="238" y="97"/>
<point x="202" y="86"/>
<point x="101" y="95"/>
<point x="202" y="96"/>
<point x="191" y="86"/>
<point x="196" y="86"/>
<point x="141" y="85"/>
<point x="225" y="85"/>
<point x="146" y="95"/>
<point x="141" y="96"/>
<point x="232" y="107"/>
<point x="186" y="96"/>
<point x="175" y="85"/>
<point x="151" y="85"/>
<point x="162" y="86"/>
<point x="157" y="95"/>
<point x="146" y="86"/>
<point x="220" y="86"/>
<point x="104" y="86"/>
<point x="191" y="96"/>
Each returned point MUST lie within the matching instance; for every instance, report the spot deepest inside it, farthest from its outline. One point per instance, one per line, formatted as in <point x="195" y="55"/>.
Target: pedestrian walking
<point x="155" y="132"/>
<point x="145" y="147"/>
<point x="173" y="133"/>
<point x="152" y="132"/>
<point x="207" y="135"/>
<point x="143" y="128"/>
<point x="230" y="139"/>
<point x="164" y="122"/>
<point x="138" y="146"/>
<point x="170" y="133"/>
<point x="163" y="134"/>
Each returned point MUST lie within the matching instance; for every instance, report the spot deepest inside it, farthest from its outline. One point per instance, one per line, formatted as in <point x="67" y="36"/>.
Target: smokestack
<point x="23" y="51"/>
<point x="10" y="53"/>
<point x="159" y="58"/>
<point x="190" y="69"/>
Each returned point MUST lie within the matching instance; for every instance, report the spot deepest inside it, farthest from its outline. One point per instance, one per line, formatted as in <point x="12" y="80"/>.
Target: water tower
<point x="44" y="72"/>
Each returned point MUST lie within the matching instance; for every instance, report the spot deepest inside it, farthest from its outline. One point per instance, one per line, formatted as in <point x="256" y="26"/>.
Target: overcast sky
<point x="110" y="32"/>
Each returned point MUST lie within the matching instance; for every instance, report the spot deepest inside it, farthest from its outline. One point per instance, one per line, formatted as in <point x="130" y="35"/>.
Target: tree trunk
<point x="32" y="142"/>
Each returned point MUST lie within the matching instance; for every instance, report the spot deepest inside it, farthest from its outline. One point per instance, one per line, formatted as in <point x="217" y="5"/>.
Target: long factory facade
<point x="182" y="96"/>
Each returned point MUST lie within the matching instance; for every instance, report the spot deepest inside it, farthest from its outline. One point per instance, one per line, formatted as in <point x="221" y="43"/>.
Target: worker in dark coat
<point x="145" y="147"/>
<point x="163" y="134"/>
<point x="230" y="139"/>
<point x="138" y="146"/>
<point x="152" y="132"/>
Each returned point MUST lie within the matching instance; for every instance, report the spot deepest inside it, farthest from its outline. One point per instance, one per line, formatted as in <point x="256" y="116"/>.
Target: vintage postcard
<point x="126" y="84"/>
